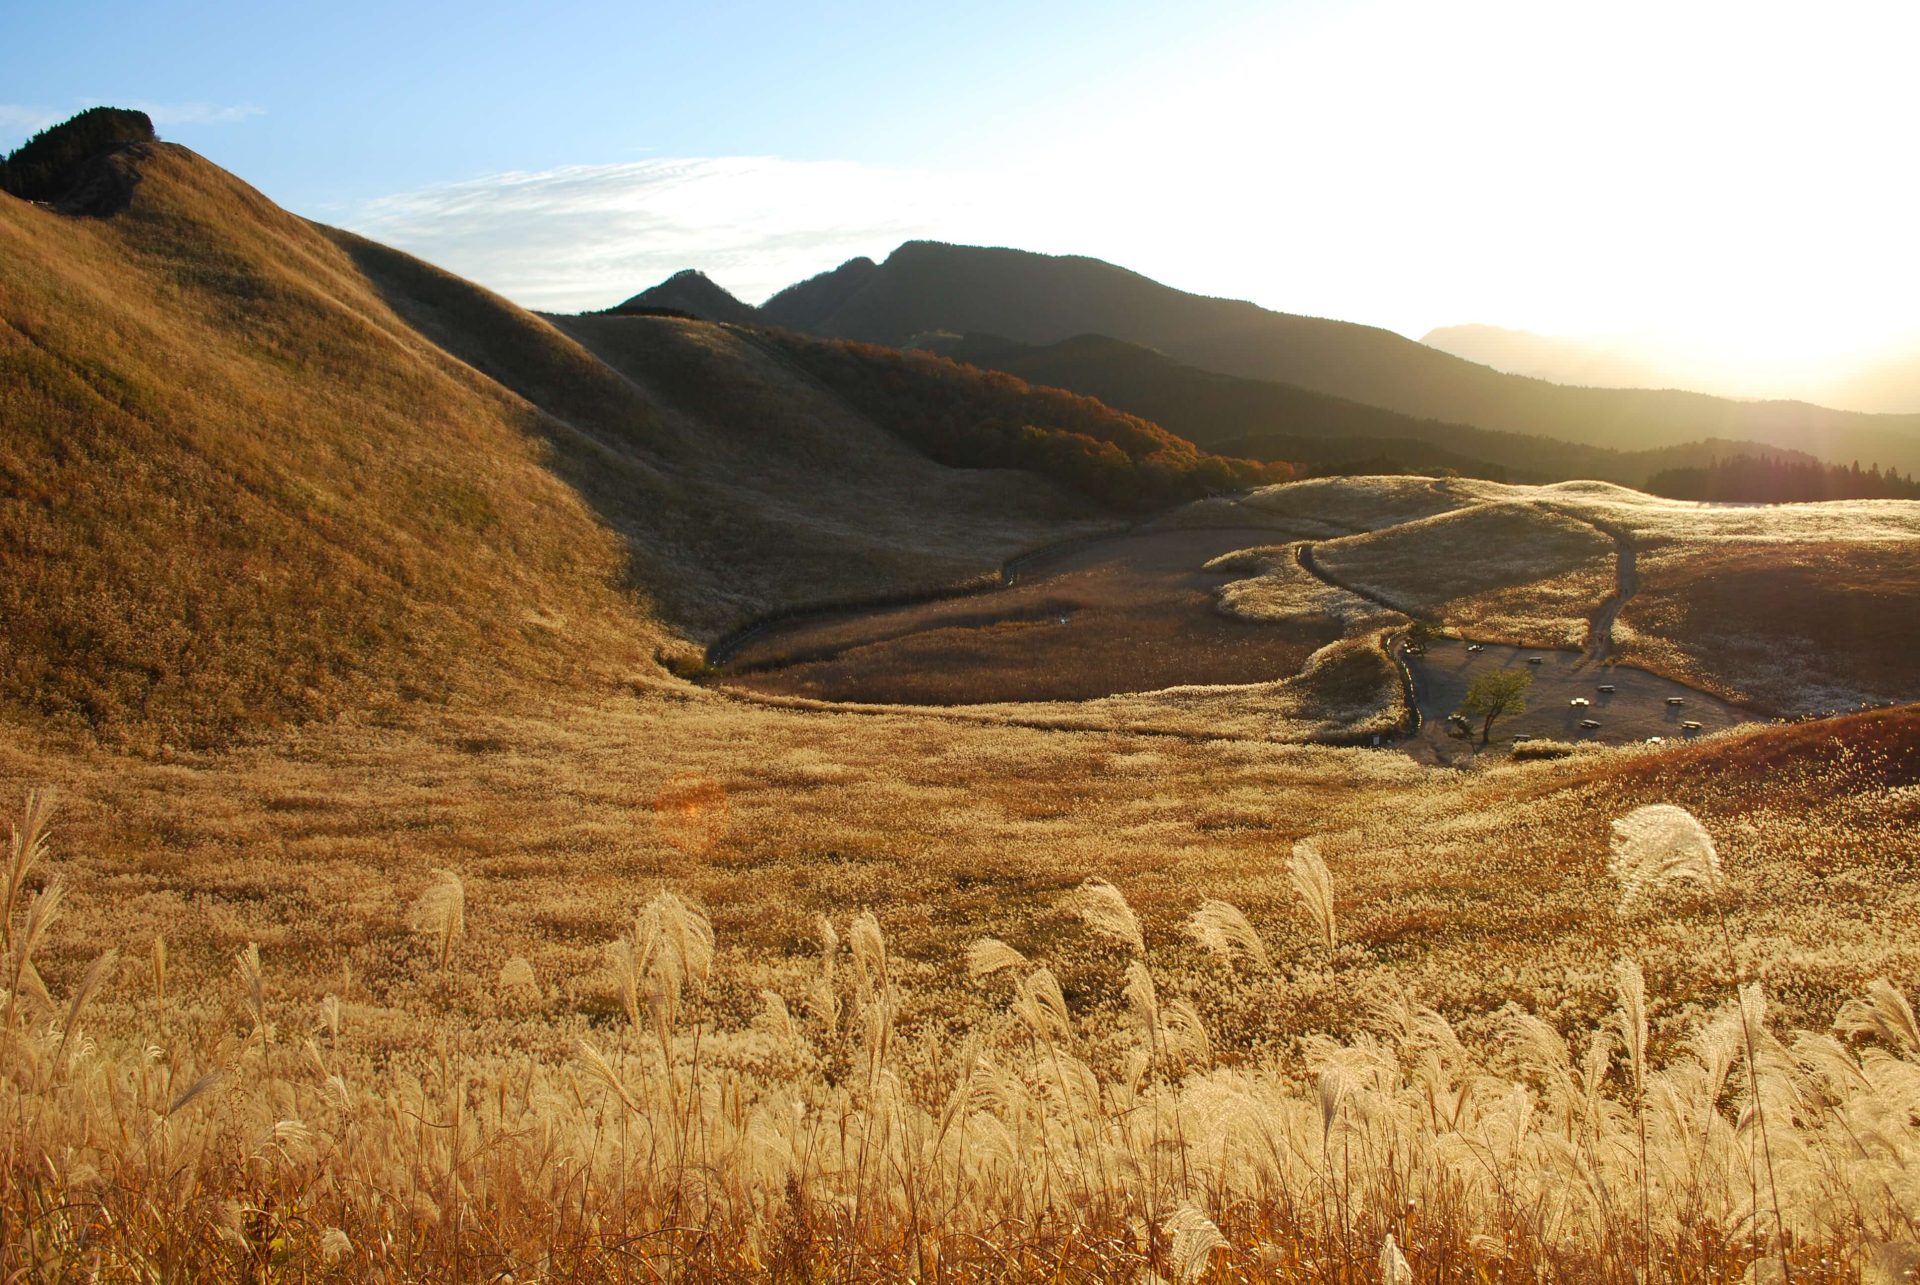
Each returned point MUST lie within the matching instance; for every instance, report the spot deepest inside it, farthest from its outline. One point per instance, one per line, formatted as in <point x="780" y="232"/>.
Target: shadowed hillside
<point x="1271" y="421"/>
<point x="258" y="472"/>
<point x="925" y="287"/>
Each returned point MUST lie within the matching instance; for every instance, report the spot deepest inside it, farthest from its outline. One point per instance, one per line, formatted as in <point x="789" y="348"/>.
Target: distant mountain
<point x="695" y="294"/>
<point x="1259" y="419"/>
<point x="1887" y="387"/>
<point x="925" y="288"/>
<point x="1891" y="386"/>
<point x="812" y="303"/>
<point x="1549" y="357"/>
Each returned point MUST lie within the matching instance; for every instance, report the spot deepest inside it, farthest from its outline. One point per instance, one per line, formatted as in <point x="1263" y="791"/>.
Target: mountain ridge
<point x="927" y="287"/>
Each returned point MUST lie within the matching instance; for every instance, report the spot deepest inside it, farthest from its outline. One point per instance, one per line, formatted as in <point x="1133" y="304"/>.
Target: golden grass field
<point x="393" y="912"/>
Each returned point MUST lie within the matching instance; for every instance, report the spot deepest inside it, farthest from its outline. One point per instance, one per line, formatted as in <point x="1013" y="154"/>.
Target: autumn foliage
<point x="972" y="418"/>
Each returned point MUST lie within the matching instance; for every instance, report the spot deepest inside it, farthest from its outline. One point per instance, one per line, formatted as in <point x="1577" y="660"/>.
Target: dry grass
<point x="1130" y="613"/>
<point x="1815" y="626"/>
<point x="1791" y="609"/>
<point x="1280" y="589"/>
<point x="879" y="1111"/>
<point x="1464" y="567"/>
<point x="566" y="978"/>
<point x="258" y="473"/>
<point x="1344" y="504"/>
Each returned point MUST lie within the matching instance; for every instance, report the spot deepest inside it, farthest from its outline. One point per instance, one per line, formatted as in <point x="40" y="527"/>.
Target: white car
<point x="1579" y="702"/>
<point x="1588" y="724"/>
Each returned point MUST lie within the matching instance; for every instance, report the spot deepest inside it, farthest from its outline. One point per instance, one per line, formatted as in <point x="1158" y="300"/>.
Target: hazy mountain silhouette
<point x="1890" y="386"/>
<point x="926" y="287"/>
<point x="1561" y="361"/>
<point x="1260" y="419"/>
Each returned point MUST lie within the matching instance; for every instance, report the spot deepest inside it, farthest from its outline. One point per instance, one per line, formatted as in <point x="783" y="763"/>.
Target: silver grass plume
<point x="1042" y="1007"/>
<point x="1099" y="906"/>
<point x="517" y="979"/>
<point x="28" y="846"/>
<point x="1221" y="928"/>
<point x="441" y="911"/>
<point x="1883" y="1012"/>
<point x="1314" y="882"/>
<point x="990" y="955"/>
<point x="1630" y="987"/>
<point x="1660" y="844"/>
<point x="1333" y="1091"/>
<point x="1194" y="1239"/>
<point x="1394" y="1267"/>
<point x="869" y="949"/>
<point x="246" y="964"/>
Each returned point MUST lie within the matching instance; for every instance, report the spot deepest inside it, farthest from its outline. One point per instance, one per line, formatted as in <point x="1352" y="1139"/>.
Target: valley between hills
<point x="706" y="792"/>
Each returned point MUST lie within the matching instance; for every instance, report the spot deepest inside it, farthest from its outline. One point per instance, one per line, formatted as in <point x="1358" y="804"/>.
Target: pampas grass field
<point x="884" y="999"/>
<point x="380" y="902"/>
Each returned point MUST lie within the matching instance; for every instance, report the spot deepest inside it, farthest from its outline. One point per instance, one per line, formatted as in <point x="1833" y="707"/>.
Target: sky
<point x="1725" y="187"/>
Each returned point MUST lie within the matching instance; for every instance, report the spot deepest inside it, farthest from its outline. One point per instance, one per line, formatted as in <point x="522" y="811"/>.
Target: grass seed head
<point x="1661" y="844"/>
<point x="1101" y="907"/>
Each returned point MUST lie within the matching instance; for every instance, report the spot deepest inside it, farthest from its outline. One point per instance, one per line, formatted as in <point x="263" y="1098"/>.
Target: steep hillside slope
<point x="238" y="491"/>
<point x="925" y="287"/>
<point x="254" y="472"/>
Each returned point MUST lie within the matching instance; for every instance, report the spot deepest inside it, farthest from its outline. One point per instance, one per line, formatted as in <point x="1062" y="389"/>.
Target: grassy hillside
<point x="925" y="288"/>
<point x="256" y="472"/>
<point x="238" y="491"/>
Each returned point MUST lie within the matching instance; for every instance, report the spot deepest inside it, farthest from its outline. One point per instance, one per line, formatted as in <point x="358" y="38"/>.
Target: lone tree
<point x="1499" y="694"/>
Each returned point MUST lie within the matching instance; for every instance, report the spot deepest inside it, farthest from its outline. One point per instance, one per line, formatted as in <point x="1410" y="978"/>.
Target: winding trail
<point x="1599" y="646"/>
<point x="1303" y="554"/>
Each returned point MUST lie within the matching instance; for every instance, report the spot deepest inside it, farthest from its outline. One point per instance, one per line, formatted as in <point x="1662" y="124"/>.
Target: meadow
<point x="383" y="900"/>
<point x="690" y="987"/>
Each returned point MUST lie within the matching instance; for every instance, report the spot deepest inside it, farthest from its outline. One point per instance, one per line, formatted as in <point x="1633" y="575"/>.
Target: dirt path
<point x="1626" y="583"/>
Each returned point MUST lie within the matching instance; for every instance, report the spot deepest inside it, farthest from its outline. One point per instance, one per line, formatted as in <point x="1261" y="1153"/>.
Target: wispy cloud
<point x="589" y="236"/>
<point x="20" y="121"/>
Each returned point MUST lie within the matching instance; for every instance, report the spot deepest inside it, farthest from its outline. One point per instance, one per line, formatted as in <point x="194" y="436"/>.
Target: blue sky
<point x="1730" y="180"/>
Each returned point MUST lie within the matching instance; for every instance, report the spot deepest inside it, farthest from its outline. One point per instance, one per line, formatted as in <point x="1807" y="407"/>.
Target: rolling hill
<point x="257" y="472"/>
<point x="925" y="288"/>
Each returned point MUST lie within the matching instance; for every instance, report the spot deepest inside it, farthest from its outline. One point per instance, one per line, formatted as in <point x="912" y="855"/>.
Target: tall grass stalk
<point x="830" y="1141"/>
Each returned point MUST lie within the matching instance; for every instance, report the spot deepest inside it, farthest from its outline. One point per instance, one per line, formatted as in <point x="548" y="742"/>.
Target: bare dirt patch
<point x="1128" y="614"/>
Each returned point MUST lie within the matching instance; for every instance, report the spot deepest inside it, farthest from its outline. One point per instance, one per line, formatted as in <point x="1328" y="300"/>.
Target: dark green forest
<point x="1767" y="479"/>
<point x="46" y="165"/>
